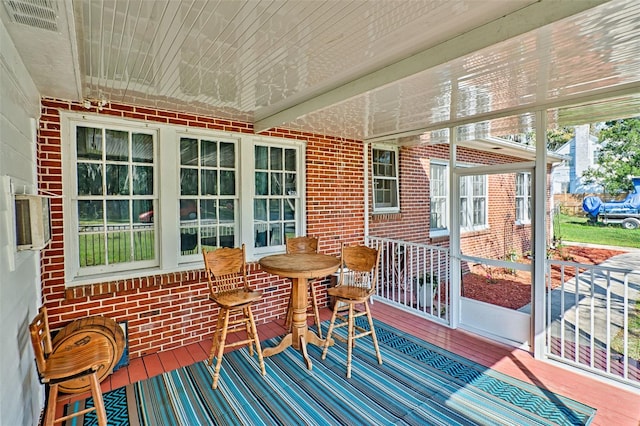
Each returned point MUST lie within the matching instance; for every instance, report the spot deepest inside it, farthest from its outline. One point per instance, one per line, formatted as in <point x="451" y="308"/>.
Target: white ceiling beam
<point x="594" y="96"/>
<point x="524" y="20"/>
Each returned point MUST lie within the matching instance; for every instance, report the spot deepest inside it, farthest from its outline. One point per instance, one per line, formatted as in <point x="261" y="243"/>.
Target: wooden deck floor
<point x="615" y="405"/>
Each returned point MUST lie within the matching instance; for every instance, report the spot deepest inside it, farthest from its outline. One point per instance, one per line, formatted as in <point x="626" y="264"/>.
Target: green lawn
<point x="577" y="229"/>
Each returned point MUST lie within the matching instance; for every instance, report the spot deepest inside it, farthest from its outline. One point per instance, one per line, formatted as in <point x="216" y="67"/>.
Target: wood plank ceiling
<point x="360" y="69"/>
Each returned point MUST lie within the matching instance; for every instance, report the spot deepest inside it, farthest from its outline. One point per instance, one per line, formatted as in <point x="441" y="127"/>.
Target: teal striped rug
<point x="418" y="384"/>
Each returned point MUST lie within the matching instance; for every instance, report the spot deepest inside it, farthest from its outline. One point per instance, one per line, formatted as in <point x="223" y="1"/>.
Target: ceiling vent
<point x="41" y="14"/>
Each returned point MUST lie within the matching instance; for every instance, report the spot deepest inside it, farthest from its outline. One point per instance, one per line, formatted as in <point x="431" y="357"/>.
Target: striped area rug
<point x="418" y="384"/>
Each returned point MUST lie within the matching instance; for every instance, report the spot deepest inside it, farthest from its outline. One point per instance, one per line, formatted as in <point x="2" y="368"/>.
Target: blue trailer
<point x="625" y="212"/>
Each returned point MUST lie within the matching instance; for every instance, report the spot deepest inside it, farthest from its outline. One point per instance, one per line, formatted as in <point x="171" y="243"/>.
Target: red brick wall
<point x="412" y="223"/>
<point x="169" y="310"/>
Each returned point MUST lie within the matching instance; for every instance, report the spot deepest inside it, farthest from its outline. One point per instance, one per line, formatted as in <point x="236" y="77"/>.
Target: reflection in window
<point x="208" y="196"/>
<point x="115" y="197"/>
<point x="276" y="194"/>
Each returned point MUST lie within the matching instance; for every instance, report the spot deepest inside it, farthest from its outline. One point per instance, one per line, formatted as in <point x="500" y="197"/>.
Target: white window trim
<point x="527" y="220"/>
<point x="476" y="228"/>
<point x="441" y="232"/>
<point x="446" y="232"/>
<point x="386" y="147"/>
<point x="166" y="181"/>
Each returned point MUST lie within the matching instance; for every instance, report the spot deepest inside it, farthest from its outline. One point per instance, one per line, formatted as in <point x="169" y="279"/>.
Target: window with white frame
<point x="114" y="186"/>
<point x="439" y="202"/>
<point x="151" y="196"/>
<point x="473" y="202"/>
<point x="523" y="197"/>
<point x="276" y="195"/>
<point x="208" y="196"/>
<point x="384" y="164"/>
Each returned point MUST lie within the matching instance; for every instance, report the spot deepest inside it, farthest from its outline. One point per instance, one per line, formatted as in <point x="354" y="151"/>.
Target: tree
<point x="558" y="137"/>
<point x="618" y="156"/>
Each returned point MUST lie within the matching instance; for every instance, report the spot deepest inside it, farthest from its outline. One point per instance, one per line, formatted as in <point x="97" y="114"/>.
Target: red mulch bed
<point x="513" y="290"/>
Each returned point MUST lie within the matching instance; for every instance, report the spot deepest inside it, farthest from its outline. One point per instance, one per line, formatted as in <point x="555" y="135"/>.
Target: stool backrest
<point x="359" y="267"/>
<point x="226" y="270"/>
<point x="41" y="338"/>
<point x="302" y="245"/>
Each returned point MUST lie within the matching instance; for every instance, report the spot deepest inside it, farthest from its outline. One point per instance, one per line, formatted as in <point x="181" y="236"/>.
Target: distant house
<point x="581" y="154"/>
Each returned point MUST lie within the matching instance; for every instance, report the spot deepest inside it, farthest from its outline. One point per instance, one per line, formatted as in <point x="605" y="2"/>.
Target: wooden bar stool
<point x="228" y="287"/>
<point x="305" y="245"/>
<point x="356" y="285"/>
<point x="65" y="364"/>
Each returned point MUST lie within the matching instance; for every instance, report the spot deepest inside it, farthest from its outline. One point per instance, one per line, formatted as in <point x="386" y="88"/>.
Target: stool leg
<point x="97" y="399"/>
<point x="316" y="312"/>
<point x="373" y="333"/>
<point x="216" y="337"/>
<point x="350" y="342"/>
<point x="50" y="413"/>
<point x="223" y="338"/>
<point x="256" y="339"/>
<point x="331" y="324"/>
<point x="251" y="333"/>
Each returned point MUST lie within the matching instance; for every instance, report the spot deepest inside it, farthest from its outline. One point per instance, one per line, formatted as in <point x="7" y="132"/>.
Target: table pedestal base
<point x="308" y="337"/>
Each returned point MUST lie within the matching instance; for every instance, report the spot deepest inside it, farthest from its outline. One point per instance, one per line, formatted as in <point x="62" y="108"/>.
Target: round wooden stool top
<point x="83" y="332"/>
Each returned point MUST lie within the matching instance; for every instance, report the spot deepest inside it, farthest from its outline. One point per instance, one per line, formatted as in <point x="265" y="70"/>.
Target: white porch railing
<point x="589" y="319"/>
<point x="414" y="277"/>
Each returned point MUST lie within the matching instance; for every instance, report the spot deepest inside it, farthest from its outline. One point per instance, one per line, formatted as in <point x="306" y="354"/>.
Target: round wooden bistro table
<point x="300" y="267"/>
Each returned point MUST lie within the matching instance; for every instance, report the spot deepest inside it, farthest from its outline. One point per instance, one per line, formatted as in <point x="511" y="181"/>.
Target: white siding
<point x="21" y="395"/>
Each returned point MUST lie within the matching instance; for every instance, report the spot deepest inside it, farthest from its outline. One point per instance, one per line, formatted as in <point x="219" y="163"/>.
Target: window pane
<point x="117" y="145"/>
<point x="88" y="143"/>
<point x="188" y="182"/>
<point x="209" y="184"/>
<point x="260" y="210"/>
<point x="209" y="211"/>
<point x="289" y="208"/>
<point x="262" y="186"/>
<point x="227" y="182"/>
<point x="142" y="148"/>
<point x="143" y="211"/>
<point x="91" y="249"/>
<point x="209" y="153"/>
<point x="188" y="210"/>
<point x="117" y="180"/>
<point x="276" y="184"/>
<point x="189" y="240"/>
<point x="291" y="184"/>
<point x="144" y="245"/>
<point x="227" y="212"/>
<point x="89" y="179"/>
<point x="261" y="157"/>
<point x="142" y="180"/>
<point x="227" y="155"/>
<point x="118" y="214"/>
<point x="188" y="151"/>
<point x="276" y="159"/>
<point x="275" y="237"/>
<point x="90" y="213"/>
<point x="275" y="210"/>
<point x="290" y="159"/>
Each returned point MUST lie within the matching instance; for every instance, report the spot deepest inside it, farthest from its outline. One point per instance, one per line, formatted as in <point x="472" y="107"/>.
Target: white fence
<point x="414" y="276"/>
<point x="590" y="319"/>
